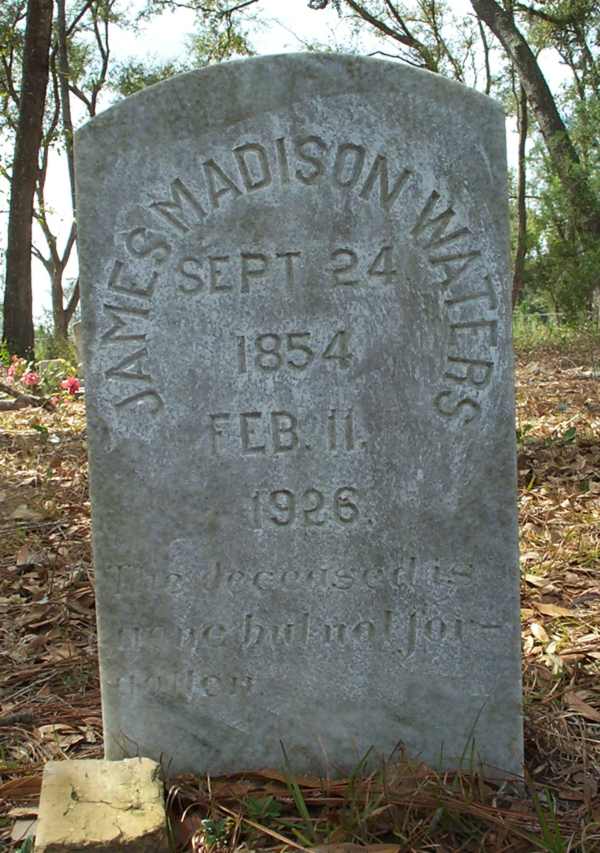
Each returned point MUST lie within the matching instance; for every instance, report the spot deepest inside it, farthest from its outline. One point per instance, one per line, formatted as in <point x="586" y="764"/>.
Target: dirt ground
<point x="49" y="692"/>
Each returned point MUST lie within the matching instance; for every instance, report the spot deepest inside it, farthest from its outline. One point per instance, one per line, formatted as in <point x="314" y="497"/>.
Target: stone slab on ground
<point x="55" y="365"/>
<point x="97" y="806"/>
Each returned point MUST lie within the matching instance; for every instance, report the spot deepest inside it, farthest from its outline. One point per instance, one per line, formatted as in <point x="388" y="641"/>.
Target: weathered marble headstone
<point x="297" y="342"/>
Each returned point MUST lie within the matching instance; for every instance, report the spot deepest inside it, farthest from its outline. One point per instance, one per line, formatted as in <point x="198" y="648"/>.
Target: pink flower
<point x="72" y="384"/>
<point x="30" y="378"/>
<point x="55" y="401"/>
<point x="10" y="374"/>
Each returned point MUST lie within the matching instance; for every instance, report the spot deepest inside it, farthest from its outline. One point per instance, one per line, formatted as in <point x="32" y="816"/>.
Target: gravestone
<point x="296" y="326"/>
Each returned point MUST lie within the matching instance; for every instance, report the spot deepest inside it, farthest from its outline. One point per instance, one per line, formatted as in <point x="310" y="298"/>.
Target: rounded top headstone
<point x="296" y="322"/>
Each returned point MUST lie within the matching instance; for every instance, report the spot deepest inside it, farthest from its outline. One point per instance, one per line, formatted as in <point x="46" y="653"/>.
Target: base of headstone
<point x="102" y="805"/>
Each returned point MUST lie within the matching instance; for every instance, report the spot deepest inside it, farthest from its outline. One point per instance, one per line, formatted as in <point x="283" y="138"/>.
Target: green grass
<point x="530" y="333"/>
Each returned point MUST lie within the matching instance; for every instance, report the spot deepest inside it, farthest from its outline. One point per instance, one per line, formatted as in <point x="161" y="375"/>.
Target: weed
<point x="533" y="332"/>
<point x="263" y="809"/>
<point x="522" y="431"/>
<point x="551" y="839"/>
<point x="306" y="834"/>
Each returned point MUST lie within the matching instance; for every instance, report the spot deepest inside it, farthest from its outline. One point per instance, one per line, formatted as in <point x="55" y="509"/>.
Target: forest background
<point x="59" y="67"/>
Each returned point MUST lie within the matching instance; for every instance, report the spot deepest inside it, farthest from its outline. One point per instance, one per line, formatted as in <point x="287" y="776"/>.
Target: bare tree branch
<point x="486" y="56"/>
<point x="403" y="58"/>
<point x="78" y="17"/>
<point x="104" y="51"/>
<point x="557" y="20"/>
<point x="21" y="400"/>
<point x="238" y="8"/>
<point x="63" y="91"/>
<point x="403" y="36"/>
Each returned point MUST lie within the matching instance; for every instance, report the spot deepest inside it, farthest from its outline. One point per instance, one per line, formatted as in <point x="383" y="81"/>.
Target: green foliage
<point x="54" y="373"/>
<point x="48" y="346"/>
<point x="563" y="264"/>
<point x="216" y="45"/>
<point x="217" y="37"/>
<point x="86" y="56"/>
<point x="305" y="832"/>
<point x="551" y="839"/>
<point x="133" y="76"/>
<point x="561" y="273"/>
<point x="537" y="328"/>
<point x="219" y="32"/>
<point x="585" y="123"/>
<point x="4" y="354"/>
<point x="12" y="17"/>
<point x="562" y="269"/>
<point x="263" y="809"/>
<point x="522" y="431"/>
<point x="215" y="833"/>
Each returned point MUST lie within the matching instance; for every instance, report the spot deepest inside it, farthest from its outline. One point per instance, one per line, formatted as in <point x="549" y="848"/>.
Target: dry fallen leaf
<point x="582" y="708"/>
<point x="554" y="610"/>
<point x="61" y="651"/>
<point x="356" y="848"/>
<point x="567" y="794"/>
<point x="535" y="580"/>
<point x="51" y="730"/>
<point x="530" y="557"/>
<point x="24" y="513"/>
<point x="24" y="811"/>
<point x="26" y="786"/>
<point x="274" y="775"/>
<point x="527" y="613"/>
<point x="24" y="556"/>
<point x="539" y="632"/>
<point x="89" y="735"/>
<point x="23" y="828"/>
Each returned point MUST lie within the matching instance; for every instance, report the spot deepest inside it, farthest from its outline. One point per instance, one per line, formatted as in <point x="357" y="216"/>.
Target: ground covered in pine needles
<point x="49" y="692"/>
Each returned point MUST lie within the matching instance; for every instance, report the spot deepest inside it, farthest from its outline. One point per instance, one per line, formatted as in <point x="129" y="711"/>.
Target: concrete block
<point x="96" y="806"/>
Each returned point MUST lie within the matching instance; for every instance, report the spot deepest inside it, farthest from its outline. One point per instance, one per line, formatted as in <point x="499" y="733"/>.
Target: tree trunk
<point x="65" y="101"/>
<point x="521" y="248"/>
<point x="18" y="316"/>
<point x="59" y="318"/>
<point x="61" y="314"/>
<point x="563" y="155"/>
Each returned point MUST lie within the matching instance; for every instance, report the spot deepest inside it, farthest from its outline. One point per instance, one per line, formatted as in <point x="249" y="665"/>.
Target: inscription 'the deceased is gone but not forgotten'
<point x="301" y="420"/>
